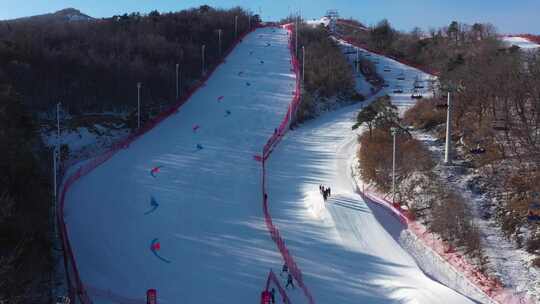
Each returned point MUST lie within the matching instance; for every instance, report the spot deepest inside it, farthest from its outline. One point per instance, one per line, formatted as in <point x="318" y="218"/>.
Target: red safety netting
<point x="530" y="37"/>
<point x="273" y="279"/>
<point x="267" y="150"/>
<point x="77" y="290"/>
<point x="491" y="287"/>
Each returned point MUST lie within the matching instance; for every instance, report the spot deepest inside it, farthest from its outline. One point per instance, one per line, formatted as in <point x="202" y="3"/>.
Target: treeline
<point x="25" y="205"/>
<point x="496" y="95"/>
<point x="327" y="73"/>
<point x="417" y="185"/>
<point x="436" y="50"/>
<point x="93" y="66"/>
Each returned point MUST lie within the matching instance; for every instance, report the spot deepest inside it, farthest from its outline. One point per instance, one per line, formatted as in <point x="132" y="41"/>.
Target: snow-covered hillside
<point x="521" y="42"/>
<point x="346" y="254"/>
<point x="180" y="209"/>
<point x="203" y="206"/>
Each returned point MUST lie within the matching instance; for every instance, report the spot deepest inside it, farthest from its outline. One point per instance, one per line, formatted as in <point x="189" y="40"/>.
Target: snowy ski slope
<point x="521" y="42"/>
<point x="208" y="219"/>
<point x="203" y="205"/>
<point x="345" y="253"/>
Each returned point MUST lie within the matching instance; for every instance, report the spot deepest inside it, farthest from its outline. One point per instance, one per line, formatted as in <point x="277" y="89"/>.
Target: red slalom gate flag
<point x="151" y="296"/>
<point x="257" y="157"/>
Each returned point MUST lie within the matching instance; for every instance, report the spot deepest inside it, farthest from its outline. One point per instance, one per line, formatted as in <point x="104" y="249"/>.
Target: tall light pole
<point x="219" y="41"/>
<point x="357" y="60"/>
<point x="55" y="187"/>
<point x="177" y="84"/>
<point x="202" y="61"/>
<point x="138" y="105"/>
<point x="296" y="37"/>
<point x="448" y="146"/>
<point x="394" y="133"/>
<point x="56" y="161"/>
<point x="303" y="63"/>
<point x="58" y="123"/>
<point x="235" y="27"/>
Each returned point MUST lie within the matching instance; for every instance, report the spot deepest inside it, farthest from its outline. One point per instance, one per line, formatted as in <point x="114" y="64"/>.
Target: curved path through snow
<point x="346" y="255"/>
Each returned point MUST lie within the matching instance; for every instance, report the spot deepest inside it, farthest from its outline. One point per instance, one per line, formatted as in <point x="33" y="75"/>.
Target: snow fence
<point x="78" y="292"/>
<point x="474" y="281"/>
<point x="267" y="150"/>
<point x="439" y="259"/>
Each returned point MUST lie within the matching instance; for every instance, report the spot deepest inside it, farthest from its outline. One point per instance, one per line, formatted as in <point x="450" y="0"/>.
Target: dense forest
<point x="94" y="65"/>
<point x="25" y="206"/>
<point x="496" y="102"/>
<point x="327" y="73"/>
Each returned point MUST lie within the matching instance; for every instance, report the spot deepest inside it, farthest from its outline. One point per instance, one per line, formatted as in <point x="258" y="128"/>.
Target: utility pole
<point x="249" y="22"/>
<point x="296" y="37"/>
<point x="55" y="189"/>
<point x="357" y="60"/>
<point x="219" y="41"/>
<point x="448" y="146"/>
<point x="394" y="133"/>
<point x="202" y="56"/>
<point x="177" y="87"/>
<point x="138" y="105"/>
<point x="235" y="27"/>
<point x="56" y="161"/>
<point x="303" y="63"/>
<point x="58" y="124"/>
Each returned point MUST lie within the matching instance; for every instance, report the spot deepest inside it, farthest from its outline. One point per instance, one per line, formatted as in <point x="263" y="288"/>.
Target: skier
<point x="329" y="191"/>
<point x="248" y="84"/>
<point x="227" y="113"/>
<point x="262" y="61"/>
<point x="273" y="295"/>
<point x="289" y="281"/>
<point x="199" y="147"/>
<point x="285" y="269"/>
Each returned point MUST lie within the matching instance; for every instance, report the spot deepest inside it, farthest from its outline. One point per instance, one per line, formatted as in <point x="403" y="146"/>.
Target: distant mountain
<point x="65" y="15"/>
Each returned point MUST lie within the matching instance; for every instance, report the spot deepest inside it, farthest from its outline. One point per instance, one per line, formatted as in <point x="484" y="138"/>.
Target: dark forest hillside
<point x="95" y="65"/>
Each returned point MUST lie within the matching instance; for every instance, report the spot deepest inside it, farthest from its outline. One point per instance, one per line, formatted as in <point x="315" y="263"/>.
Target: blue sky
<point x="508" y="16"/>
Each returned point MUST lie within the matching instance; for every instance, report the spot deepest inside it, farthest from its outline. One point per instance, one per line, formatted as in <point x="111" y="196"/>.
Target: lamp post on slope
<point x="235" y="27"/>
<point x="203" y="71"/>
<point x="177" y="84"/>
<point x="303" y="63"/>
<point x="394" y="132"/>
<point x="138" y="105"/>
<point x="448" y="144"/>
<point x="219" y="42"/>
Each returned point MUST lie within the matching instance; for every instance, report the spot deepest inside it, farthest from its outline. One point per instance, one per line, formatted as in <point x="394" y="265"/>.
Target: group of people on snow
<point x="325" y="192"/>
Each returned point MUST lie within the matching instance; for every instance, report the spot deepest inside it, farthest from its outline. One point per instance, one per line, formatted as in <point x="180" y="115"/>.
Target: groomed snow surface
<point x="203" y="205"/>
<point x="521" y="42"/>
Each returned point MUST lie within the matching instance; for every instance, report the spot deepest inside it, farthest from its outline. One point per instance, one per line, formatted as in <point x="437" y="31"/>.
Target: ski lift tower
<point x="332" y="15"/>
